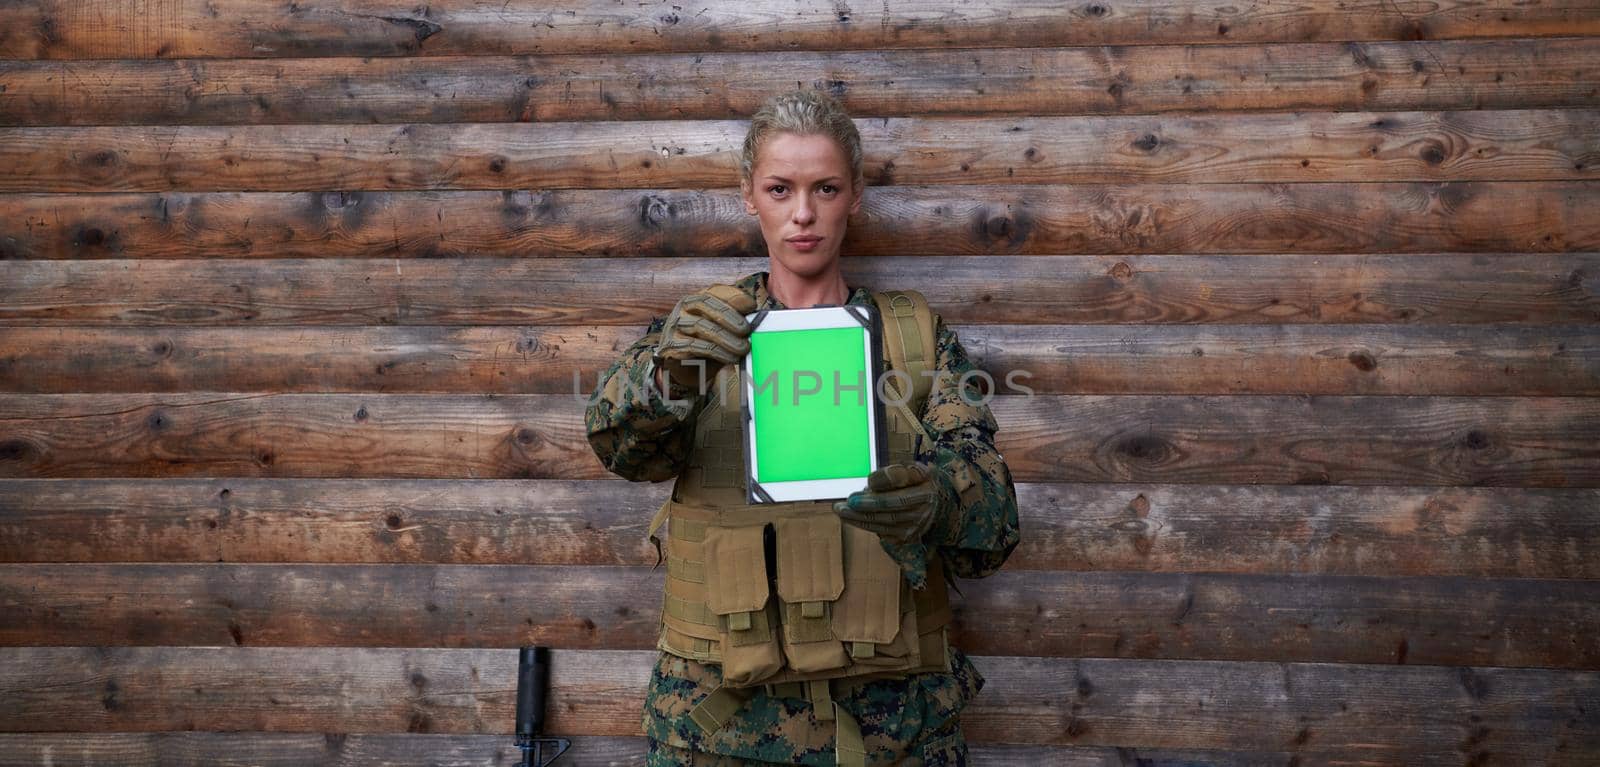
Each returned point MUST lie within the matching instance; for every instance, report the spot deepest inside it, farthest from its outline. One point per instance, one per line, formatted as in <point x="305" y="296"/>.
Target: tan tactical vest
<point x="785" y="594"/>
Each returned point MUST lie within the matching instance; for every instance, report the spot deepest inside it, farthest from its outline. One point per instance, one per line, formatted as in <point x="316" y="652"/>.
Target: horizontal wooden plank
<point x="1526" y="73"/>
<point x="186" y="749"/>
<point x="542" y="522"/>
<point x="1334" y="619"/>
<point x="61" y="29"/>
<point x="1500" y="532"/>
<point x="288" y="749"/>
<point x="1275" y="289"/>
<point x="1477" y="217"/>
<point x="1049" y="359"/>
<point x="1270" y="439"/>
<point x="1254" y="439"/>
<point x="1536" y="714"/>
<point x="1374" y="531"/>
<point x="1486" y="145"/>
<point x="1294" y="359"/>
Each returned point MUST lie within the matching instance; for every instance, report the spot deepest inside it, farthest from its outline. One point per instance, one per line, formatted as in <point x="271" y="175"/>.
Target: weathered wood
<point x="1270" y="439"/>
<point x="1256" y="439"/>
<point x="1487" y="145"/>
<point x="1536" y="714"/>
<point x="183" y="749"/>
<point x="1477" y="217"/>
<point x="1424" y="621"/>
<point x="1049" y="359"/>
<point x="61" y="29"/>
<point x="1373" y="531"/>
<point x="1369" y="530"/>
<point x="1351" y="76"/>
<point x="1294" y="359"/>
<point x="287" y="749"/>
<point x="235" y="519"/>
<point x="1157" y="289"/>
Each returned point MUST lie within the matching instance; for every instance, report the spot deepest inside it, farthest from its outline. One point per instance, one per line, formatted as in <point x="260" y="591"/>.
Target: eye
<point x="776" y="188"/>
<point x="829" y="189"/>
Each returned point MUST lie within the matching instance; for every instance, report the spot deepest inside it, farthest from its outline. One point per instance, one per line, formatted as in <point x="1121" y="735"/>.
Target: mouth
<point x="805" y="243"/>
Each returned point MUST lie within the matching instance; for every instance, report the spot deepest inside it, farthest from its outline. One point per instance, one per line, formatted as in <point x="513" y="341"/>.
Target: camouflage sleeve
<point x="635" y="432"/>
<point x="982" y="528"/>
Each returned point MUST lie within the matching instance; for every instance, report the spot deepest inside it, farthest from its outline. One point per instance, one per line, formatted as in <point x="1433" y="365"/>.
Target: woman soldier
<point x="948" y="506"/>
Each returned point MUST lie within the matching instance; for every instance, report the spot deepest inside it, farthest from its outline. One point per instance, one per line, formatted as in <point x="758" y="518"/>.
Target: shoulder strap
<point x="908" y="338"/>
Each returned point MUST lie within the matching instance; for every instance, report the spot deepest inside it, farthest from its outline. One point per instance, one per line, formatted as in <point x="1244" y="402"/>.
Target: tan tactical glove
<point x="902" y="502"/>
<point x="708" y="326"/>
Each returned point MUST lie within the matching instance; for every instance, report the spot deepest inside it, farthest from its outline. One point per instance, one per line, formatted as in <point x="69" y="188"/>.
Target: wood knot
<point x="1476" y="440"/>
<point x="654" y="212"/>
<point x="340" y="200"/>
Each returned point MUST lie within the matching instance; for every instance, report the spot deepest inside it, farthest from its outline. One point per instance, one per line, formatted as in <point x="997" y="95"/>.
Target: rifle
<point x="533" y="682"/>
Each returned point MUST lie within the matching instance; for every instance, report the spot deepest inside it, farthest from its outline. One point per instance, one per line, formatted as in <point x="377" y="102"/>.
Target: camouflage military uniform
<point x="911" y="720"/>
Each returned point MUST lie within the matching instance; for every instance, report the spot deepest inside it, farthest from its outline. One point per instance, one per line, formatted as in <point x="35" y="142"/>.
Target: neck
<point x="798" y="292"/>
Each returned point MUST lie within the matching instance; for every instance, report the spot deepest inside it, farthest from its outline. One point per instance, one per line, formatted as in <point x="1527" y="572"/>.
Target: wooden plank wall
<point x="293" y="295"/>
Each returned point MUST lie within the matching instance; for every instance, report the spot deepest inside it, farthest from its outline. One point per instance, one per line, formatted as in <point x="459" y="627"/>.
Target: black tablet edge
<point x="755" y="319"/>
<point x="859" y="312"/>
<point x="880" y="421"/>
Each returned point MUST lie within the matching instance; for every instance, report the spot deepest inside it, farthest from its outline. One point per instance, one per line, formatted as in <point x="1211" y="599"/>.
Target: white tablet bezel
<point x="814" y="318"/>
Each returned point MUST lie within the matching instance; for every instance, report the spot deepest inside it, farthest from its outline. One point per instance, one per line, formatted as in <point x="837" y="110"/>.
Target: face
<point x="801" y="190"/>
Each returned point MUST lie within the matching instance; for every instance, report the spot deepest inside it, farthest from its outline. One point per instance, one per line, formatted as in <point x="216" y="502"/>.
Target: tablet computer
<point x="813" y="425"/>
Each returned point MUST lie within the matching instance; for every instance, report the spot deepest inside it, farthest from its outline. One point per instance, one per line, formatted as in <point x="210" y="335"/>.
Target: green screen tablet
<point x="812" y="424"/>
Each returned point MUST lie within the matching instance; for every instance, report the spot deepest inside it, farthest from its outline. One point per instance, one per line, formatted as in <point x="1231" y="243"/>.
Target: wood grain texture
<point x="1537" y="714"/>
<point x="1485" y="145"/>
<point x="1274" y="289"/>
<point x="1353" y="76"/>
<point x="1255" y="439"/>
<point x="283" y="749"/>
<point x="1528" y="360"/>
<point x="61" y="29"/>
<point x="1324" y="619"/>
<point x="1269" y="439"/>
<point x="1476" y="217"/>
<point x="1328" y="530"/>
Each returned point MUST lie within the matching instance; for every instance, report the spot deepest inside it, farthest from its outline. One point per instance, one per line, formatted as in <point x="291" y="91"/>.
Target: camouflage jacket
<point x="637" y="436"/>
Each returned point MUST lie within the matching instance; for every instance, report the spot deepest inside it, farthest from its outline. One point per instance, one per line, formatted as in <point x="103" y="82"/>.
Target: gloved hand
<point x="901" y="503"/>
<point x="708" y="326"/>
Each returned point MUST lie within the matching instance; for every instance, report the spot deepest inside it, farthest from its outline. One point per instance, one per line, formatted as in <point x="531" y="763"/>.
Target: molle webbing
<point x="908" y="338"/>
<point x="717" y="460"/>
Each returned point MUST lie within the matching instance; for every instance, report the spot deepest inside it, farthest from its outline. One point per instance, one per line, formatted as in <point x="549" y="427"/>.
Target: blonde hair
<point x="805" y="113"/>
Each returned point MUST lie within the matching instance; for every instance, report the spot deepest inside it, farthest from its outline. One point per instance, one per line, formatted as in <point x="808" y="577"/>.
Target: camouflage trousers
<point x="947" y="748"/>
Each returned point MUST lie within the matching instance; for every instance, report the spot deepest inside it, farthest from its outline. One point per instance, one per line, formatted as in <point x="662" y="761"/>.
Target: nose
<point x="804" y="212"/>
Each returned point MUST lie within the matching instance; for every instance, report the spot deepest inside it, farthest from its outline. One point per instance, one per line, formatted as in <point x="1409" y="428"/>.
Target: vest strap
<point x="718" y="708"/>
<point x="686" y="569"/>
<point x="908" y="336"/>
<point x="654" y="532"/>
<point x="714" y="711"/>
<point x="849" y="748"/>
<point x="685" y="610"/>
